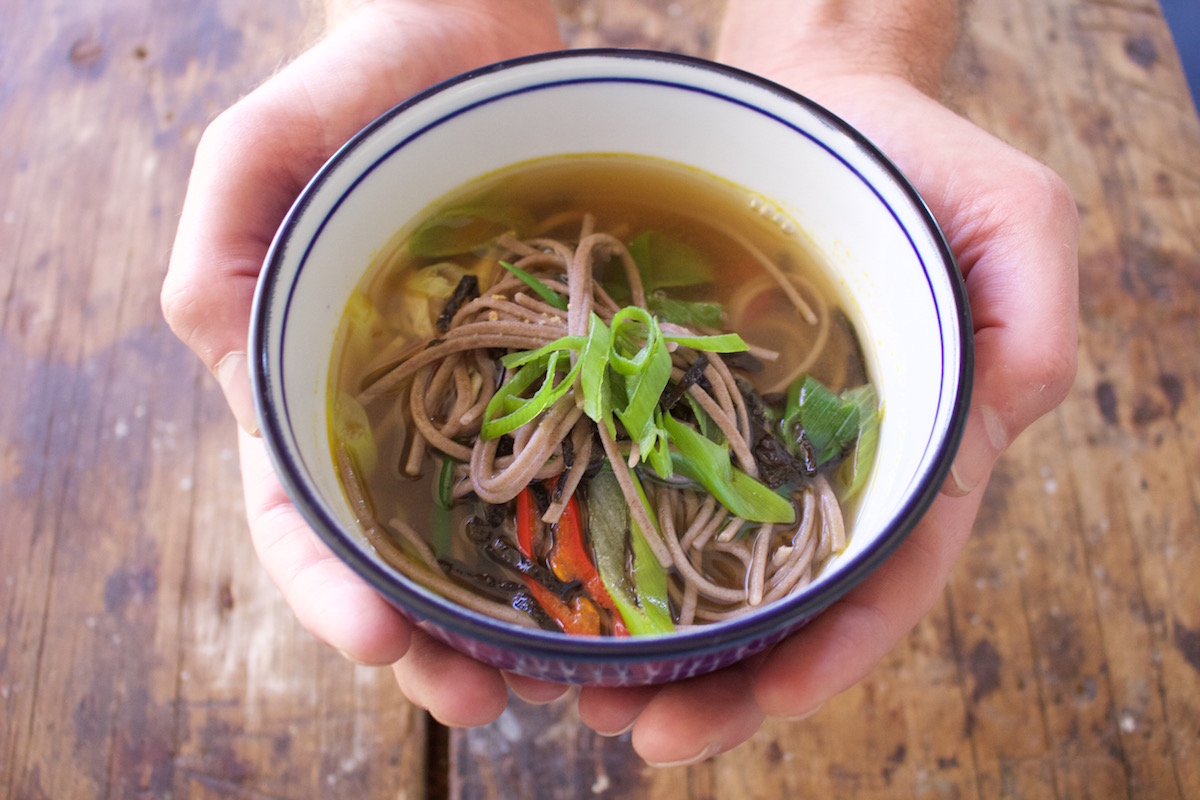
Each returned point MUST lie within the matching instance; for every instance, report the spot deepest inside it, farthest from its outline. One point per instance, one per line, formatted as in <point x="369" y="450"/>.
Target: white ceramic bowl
<point x="887" y="254"/>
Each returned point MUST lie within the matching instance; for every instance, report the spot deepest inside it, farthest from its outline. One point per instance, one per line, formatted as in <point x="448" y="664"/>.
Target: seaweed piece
<point x="466" y="291"/>
<point x="776" y="463"/>
<point x="692" y="376"/>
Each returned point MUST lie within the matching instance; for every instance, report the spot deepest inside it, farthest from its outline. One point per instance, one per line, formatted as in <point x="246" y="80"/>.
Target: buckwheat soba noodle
<point x="602" y="395"/>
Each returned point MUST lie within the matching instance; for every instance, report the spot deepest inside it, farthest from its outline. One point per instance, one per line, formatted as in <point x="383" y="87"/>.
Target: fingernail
<point x="349" y="657"/>
<point x="614" y="734"/>
<point x="706" y="753"/>
<point x="984" y="439"/>
<point x="805" y="714"/>
<point x="233" y="374"/>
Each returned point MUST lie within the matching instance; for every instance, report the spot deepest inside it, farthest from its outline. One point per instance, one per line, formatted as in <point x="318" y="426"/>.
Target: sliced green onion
<point x="593" y="372"/>
<point x="723" y="343"/>
<point x="658" y="454"/>
<point x="644" y="390"/>
<point x="496" y="424"/>
<point x="706" y="462"/>
<point x="541" y="289"/>
<point x="635" y="335"/>
<point x="642" y="601"/>
<point x="524" y="357"/>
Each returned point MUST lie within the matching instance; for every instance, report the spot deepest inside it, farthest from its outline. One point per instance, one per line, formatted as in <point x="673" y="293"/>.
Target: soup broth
<point x="604" y="395"/>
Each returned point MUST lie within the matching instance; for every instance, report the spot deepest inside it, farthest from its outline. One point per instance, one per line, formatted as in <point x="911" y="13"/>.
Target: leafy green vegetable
<point x="689" y="313"/>
<point x="830" y="422"/>
<point x="642" y="601"/>
<point x="665" y="262"/>
<point x="541" y="289"/>
<point x="461" y="230"/>
<point x="852" y="474"/>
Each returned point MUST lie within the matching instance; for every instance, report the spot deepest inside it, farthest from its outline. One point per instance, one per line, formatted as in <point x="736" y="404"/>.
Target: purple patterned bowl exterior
<point x="885" y="249"/>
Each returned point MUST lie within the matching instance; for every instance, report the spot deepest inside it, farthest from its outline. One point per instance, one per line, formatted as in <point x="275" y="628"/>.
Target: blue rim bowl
<point x="882" y="244"/>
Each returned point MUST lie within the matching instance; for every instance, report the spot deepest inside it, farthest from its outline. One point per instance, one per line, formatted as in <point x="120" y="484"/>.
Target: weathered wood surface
<point x="143" y="653"/>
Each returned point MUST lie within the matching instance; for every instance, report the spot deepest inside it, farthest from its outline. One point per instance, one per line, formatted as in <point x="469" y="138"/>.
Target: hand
<point x="1013" y="226"/>
<point x="250" y="165"/>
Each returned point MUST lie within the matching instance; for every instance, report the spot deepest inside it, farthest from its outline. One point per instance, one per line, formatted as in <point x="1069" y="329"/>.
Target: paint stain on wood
<point x="1106" y="401"/>
<point x="1141" y="51"/>
<point x="1187" y="641"/>
<point x="1172" y="389"/>
<point x="984" y="664"/>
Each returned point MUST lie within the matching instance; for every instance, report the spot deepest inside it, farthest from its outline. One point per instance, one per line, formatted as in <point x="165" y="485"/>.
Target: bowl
<point x="882" y="245"/>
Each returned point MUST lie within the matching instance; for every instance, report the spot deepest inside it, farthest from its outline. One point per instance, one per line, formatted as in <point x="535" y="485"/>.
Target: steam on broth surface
<point x="602" y="395"/>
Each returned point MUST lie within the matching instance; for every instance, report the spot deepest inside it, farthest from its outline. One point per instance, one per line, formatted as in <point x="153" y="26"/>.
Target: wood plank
<point x="124" y="539"/>
<point x="143" y="652"/>
<point x="1102" y="79"/>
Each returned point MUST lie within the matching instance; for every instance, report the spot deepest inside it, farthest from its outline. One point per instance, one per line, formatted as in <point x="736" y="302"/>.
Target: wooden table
<point x="144" y="654"/>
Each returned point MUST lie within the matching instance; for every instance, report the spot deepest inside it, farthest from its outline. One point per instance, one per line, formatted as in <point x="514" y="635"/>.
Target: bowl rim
<point x="424" y="604"/>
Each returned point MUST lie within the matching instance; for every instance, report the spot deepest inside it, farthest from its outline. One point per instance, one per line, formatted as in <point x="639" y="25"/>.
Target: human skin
<point x="877" y="63"/>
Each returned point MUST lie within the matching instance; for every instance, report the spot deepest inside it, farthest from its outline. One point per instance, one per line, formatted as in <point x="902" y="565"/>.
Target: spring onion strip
<point x="524" y="357"/>
<point x="642" y="600"/>
<point x="706" y="462"/>
<point x="644" y="390"/>
<point x="723" y="343"/>
<point x="547" y="395"/>
<point x="629" y="326"/>
<point x="542" y="290"/>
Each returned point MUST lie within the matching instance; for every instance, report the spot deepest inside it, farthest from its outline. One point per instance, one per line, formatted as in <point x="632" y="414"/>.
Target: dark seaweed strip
<point x="523" y="601"/>
<point x="506" y="555"/>
<point x="776" y="464"/>
<point x="691" y="377"/>
<point x="467" y="290"/>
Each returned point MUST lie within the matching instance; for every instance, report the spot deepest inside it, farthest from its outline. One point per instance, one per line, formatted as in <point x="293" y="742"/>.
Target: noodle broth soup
<point x="611" y="367"/>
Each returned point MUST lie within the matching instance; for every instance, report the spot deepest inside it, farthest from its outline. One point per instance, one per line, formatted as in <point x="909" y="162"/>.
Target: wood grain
<point x="143" y="653"/>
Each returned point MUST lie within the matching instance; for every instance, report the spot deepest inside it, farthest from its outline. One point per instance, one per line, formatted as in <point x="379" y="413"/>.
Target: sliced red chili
<point x="570" y="562"/>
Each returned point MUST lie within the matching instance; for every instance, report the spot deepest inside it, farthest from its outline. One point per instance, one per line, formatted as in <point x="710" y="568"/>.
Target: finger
<point x="1021" y="270"/>
<point x="696" y="719"/>
<point x="612" y="711"/>
<point x="456" y="690"/>
<point x="842" y="645"/>
<point x="245" y="177"/>
<point x="329" y="600"/>
<point x="235" y="200"/>
<point x="533" y="690"/>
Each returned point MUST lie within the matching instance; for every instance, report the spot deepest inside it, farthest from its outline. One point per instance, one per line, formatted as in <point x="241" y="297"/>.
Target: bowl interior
<point x="887" y="257"/>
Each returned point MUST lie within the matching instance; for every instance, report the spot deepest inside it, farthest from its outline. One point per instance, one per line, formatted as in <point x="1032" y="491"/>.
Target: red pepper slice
<point x="568" y="560"/>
